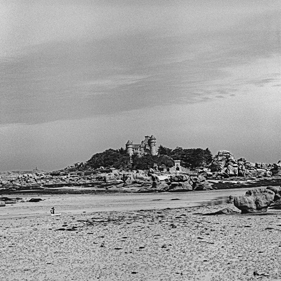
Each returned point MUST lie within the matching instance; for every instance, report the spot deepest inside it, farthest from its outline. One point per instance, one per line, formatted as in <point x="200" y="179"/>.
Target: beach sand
<point x="158" y="244"/>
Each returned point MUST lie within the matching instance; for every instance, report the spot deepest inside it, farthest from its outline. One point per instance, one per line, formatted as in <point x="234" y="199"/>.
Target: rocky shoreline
<point x="149" y="186"/>
<point x="224" y="172"/>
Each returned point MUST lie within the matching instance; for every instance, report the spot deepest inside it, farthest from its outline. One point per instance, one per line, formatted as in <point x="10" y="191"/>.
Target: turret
<point x="152" y="145"/>
<point x="129" y="148"/>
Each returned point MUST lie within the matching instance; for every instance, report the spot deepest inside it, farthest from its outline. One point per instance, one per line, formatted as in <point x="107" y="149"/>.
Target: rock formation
<point x="225" y="165"/>
<point x="256" y="200"/>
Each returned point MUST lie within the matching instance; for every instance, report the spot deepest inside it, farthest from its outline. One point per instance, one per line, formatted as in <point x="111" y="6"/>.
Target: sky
<point x="80" y="76"/>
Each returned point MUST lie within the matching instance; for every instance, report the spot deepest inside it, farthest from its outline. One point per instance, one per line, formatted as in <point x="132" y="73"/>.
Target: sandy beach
<point x="178" y="243"/>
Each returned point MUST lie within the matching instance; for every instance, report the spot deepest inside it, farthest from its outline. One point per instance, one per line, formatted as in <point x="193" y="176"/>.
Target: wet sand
<point x="157" y="244"/>
<point x="79" y="203"/>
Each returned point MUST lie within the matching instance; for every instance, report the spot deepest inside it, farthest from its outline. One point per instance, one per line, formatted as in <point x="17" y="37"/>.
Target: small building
<point x="177" y="168"/>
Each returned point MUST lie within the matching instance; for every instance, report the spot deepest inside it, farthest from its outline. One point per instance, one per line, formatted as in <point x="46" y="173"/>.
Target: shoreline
<point x="78" y="203"/>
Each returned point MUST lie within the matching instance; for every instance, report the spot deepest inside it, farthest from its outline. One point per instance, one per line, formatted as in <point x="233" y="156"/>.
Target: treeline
<point x="190" y="157"/>
<point x="118" y="158"/>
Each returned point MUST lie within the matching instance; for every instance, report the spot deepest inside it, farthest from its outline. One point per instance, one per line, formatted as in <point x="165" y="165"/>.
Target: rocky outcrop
<point x="276" y="169"/>
<point x="276" y="190"/>
<point x="180" y="186"/>
<point x="179" y="178"/>
<point x="201" y="183"/>
<point x="224" y="172"/>
<point x="225" y="165"/>
<point x="221" y="160"/>
<point x="183" y="182"/>
<point x="255" y="200"/>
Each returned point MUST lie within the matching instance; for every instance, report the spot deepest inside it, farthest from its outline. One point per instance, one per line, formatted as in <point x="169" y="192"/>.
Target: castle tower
<point x="129" y="148"/>
<point x="152" y="145"/>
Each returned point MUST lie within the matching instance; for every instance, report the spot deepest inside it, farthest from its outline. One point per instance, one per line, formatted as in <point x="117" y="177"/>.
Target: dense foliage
<point x="148" y="161"/>
<point x="110" y="158"/>
<point x="190" y="158"/>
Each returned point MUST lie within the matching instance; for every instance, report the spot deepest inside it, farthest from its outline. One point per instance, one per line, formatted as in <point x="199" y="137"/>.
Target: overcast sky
<point x="80" y="76"/>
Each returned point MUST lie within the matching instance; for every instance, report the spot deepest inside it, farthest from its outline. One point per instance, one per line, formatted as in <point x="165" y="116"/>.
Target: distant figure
<point x="52" y="211"/>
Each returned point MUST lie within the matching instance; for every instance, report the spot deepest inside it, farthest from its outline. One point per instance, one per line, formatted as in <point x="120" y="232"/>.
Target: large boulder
<point x="255" y="200"/>
<point x="186" y="186"/>
<point x="179" y="178"/>
<point x="181" y="186"/>
<point x="257" y="191"/>
<point x="276" y="169"/>
<point x="200" y="183"/>
<point x="162" y="186"/>
<point x="127" y="179"/>
<point x="276" y="190"/>
<point x="232" y="169"/>
<point x="203" y="186"/>
<point x="277" y="199"/>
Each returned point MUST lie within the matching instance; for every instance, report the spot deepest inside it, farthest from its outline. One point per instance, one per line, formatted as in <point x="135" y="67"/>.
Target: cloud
<point x="157" y="59"/>
<point x="262" y="82"/>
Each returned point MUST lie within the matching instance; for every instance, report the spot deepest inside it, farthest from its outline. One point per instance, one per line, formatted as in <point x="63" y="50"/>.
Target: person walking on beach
<point x="52" y="211"/>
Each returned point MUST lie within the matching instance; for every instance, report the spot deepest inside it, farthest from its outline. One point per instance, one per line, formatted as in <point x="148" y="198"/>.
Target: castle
<point x="147" y="146"/>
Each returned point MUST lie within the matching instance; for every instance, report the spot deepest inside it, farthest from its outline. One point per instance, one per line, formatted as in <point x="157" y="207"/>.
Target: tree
<point x="165" y="160"/>
<point x="177" y="153"/>
<point x="208" y="157"/>
<point x="193" y="157"/>
<point x="122" y="151"/>
<point x="145" y="162"/>
<point x="109" y="158"/>
<point x="164" y="150"/>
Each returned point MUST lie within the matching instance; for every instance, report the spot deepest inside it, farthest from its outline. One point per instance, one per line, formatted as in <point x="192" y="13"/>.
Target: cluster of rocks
<point x="127" y="181"/>
<point x="14" y="180"/>
<point x="65" y="178"/>
<point x="180" y="182"/>
<point x="276" y="169"/>
<point x="225" y="165"/>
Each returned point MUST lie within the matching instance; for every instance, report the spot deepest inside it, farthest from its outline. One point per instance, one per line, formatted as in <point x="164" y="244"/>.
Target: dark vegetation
<point x="118" y="158"/>
<point x="190" y="158"/>
<point x="110" y="158"/>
